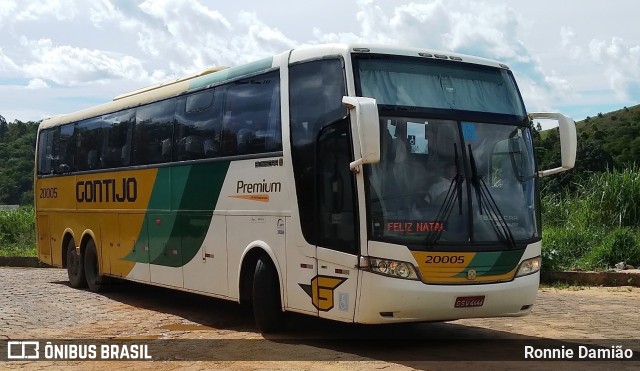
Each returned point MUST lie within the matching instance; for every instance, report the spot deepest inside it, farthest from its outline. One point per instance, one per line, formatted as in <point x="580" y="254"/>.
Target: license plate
<point x="469" y="301"/>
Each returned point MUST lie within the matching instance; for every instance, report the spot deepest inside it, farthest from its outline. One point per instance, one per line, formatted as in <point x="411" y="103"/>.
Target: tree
<point x="17" y="151"/>
<point x="3" y="127"/>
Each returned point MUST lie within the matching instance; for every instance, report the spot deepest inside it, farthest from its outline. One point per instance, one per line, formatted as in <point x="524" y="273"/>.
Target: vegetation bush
<point x="613" y="198"/>
<point x="619" y="245"/>
<point x="564" y="248"/>
<point x="595" y="227"/>
<point x="17" y="232"/>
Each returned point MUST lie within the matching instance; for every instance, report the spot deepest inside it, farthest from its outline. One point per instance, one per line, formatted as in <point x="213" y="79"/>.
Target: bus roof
<point x="219" y="75"/>
<point x="314" y="51"/>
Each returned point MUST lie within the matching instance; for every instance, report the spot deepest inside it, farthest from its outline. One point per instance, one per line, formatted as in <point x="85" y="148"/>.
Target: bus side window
<point x="89" y="141"/>
<point x="252" y="115"/>
<point x="118" y="128"/>
<point x="66" y="149"/>
<point x="153" y="131"/>
<point x="198" y="125"/>
<point x="45" y="152"/>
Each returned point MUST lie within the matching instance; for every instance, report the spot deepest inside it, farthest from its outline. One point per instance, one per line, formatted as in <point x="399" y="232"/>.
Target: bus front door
<point x="335" y="286"/>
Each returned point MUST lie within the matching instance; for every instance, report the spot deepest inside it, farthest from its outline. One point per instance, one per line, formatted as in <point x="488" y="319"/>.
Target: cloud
<point x="487" y="30"/>
<point x="259" y="38"/>
<point x="102" y="12"/>
<point x="58" y="9"/>
<point x="185" y="36"/>
<point x="37" y="84"/>
<point x="621" y="64"/>
<point x="470" y="27"/>
<point x="567" y="43"/>
<point x="560" y="87"/>
<point x="7" y="10"/>
<point x="68" y="65"/>
<point x="177" y="37"/>
<point x="7" y="64"/>
<point x="151" y="41"/>
<point x="460" y="25"/>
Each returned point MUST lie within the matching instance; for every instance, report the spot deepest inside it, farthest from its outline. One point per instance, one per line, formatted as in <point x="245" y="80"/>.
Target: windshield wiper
<point x="494" y="215"/>
<point x="453" y="193"/>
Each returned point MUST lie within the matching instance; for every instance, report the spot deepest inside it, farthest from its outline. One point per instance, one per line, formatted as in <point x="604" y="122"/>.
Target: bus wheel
<point x="91" y="269"/>
<point x="267" y="309"/>
<point x="75" y="266"/>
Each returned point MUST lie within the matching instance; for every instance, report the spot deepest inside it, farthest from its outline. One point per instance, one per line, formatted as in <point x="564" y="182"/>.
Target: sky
<point x="58" y="56"/>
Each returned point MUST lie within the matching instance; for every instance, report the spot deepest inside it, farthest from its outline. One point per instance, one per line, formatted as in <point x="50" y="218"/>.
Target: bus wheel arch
<point x="249" y="260"/>
<point x="245" y="279"/>
<point x="66" y="236"/>
<point x="260" y="285"/>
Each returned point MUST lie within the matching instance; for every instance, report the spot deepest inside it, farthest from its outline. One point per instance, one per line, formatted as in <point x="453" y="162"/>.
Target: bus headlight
<point x="529" y="266"/>
<point x="392" y="268"/>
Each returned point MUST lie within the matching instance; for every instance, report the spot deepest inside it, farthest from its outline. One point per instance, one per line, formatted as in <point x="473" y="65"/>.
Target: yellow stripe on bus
<point x="109" y="205"/>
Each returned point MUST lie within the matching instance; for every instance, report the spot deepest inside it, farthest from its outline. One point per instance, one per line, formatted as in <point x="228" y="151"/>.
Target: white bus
<point x="357" y="183"/>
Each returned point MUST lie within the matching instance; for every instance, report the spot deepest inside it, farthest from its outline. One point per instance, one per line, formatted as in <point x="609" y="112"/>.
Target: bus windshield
<point x="451" y="182"/>
<point x="437" y="84"/>
<point x="449" y="174"/>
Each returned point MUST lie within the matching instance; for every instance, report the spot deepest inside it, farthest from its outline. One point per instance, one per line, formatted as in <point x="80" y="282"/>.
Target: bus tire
<point x="91" y="267"/>
<point x="267" y="308"/>
<point x="75" y="266"/>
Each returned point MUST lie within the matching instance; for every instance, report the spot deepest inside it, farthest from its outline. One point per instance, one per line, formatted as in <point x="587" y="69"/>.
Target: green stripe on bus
<point x="201" y="195"/>
<point x="493" y="263"/>
<point x="507" y="261"/>
<point x="175" y="236"/>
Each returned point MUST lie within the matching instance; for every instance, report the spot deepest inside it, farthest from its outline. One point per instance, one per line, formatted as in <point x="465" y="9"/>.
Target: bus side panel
<point x="109" y="238"/>
<point x="119" y="200"/>
<point x="43" y="238"/>
<point x="246" y="232"/>
<point x="53" y="196"/>
<point x="165" y="250"/>
<point x="55" y="193"/>
<point x="134" y="241"/>
<point x="255" y="198"/>
<point x="58" y="223"/>
<point x="207" y="271"/>
<point x="179" y="214"/>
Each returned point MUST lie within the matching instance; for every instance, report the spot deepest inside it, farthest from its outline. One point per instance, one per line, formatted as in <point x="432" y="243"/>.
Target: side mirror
<point x="568" y="140"/>
<point x="365" y="128"/>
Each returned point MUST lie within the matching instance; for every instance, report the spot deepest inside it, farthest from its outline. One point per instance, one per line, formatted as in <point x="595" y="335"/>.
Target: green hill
<point x="617" y="133"/>
<point x="605" y="141"/>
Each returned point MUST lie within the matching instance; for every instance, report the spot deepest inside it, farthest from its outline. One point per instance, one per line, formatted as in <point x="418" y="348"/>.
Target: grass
<point x="596" y="227"/>
<point x="17" y="232"/>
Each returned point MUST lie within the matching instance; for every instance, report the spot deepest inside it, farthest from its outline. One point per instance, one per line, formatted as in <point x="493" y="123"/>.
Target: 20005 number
<point x="446" y="259"/>
<point x="49" y="192"/>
